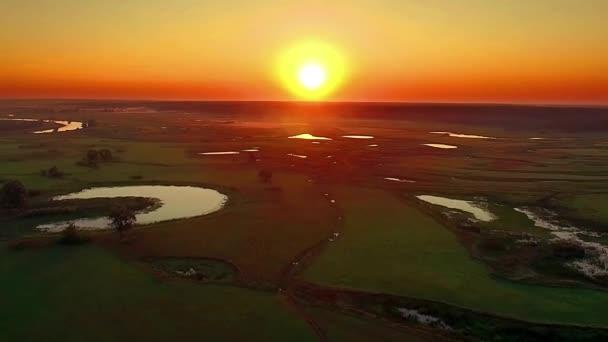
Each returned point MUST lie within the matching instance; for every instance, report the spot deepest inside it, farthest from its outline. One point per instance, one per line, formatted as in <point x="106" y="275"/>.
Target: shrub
<point x="105" y="155"/>
<point x="71" y="236"/>
<point x="13" y="195"/>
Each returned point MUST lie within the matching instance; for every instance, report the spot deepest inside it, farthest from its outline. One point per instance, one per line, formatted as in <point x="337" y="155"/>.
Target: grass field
<point x="388" y="246"/>
<point x="331" y="219"/>
<point x="86" y="293"/>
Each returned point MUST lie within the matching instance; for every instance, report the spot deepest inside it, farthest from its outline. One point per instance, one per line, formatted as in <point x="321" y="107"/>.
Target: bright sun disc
<point x="311" y="70"/>
<point x="312" y="76"/>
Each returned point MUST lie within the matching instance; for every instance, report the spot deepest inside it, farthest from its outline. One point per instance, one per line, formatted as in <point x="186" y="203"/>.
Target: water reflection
<point x="307" y="136"/>
<point x="467" y="206"/>
<point x="66" y="125"/>
<point x="218" y="153"/>
<point x="444" y="146"/>
<point x="466" y="136"/>
<point x="175" y="202"/>
<point x="358" y="136"/>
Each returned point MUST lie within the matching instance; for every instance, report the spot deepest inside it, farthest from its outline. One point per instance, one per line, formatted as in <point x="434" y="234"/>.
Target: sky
<point x="508" y="51"/>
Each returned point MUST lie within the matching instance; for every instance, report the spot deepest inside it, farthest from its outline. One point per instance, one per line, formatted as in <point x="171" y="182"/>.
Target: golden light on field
<point x="312" y="70"/>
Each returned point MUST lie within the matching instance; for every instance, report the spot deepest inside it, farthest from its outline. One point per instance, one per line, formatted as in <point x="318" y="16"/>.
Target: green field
<point x="388" y="246"/>
<point x="85" y="293"/>
<point x="330" y="221"/>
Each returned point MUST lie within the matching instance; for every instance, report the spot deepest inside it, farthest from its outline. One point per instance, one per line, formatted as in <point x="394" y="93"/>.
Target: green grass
<point x="339" y="327"/>
<point x="86" y="294"/>
<point x="589" y="206"/>
<point x="390" y="247"/>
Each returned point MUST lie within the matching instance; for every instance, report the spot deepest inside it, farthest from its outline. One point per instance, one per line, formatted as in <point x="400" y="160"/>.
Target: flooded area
<point x="358" y="136"/>
<point x="443" y="146"/>
<point x="66" y="125"/>
<point x="175" y="202"/>
<point x="307" y="136"/>
<point x="474" y="208"/>
<point x="465" y="136"/>
<point x="595" y="262"/>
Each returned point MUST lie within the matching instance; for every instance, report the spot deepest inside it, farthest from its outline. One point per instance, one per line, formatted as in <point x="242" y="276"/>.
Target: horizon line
<point x="601" y="105"/>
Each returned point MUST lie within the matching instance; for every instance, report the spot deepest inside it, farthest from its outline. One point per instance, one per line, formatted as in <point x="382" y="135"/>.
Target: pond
<point x="66" y="125"/>
<point x="218" y="153"/>
<point x="466" y="136"/>
<point x="443" y="146"/>
<point x="358" y="136"/>
<point x="307" y="136"/>
<point x="400" y="180"/>
<point x="176" y="202"/>
<point x="467" y="206"/>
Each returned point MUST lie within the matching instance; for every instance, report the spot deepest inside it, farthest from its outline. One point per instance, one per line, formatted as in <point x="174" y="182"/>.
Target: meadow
<point x="337" y="215"/>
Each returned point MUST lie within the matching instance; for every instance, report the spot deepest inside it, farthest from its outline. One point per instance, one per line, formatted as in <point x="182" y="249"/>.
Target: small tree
<point x="71" y="236"/>
<point x="92" y="157"/>
<point x="105" y="155"/>
<point x="13" y="195"/>
<point x="54" y="172"/>
<point x="123" y="219"/>
<point x="265" y="176"/>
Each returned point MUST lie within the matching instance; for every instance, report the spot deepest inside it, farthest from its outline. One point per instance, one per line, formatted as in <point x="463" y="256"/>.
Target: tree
<point x="105" y="155"/>
<point x="265" y="176"/>
<point x="13" y="195"/>
<point x="54" y="172"/>
<point x="123" y="219"/>
<point x="92" y="157"/>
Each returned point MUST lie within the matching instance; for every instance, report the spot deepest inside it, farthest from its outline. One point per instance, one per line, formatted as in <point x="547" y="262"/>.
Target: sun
<point x="312" y="76"/>
<point x="312" y="70"/>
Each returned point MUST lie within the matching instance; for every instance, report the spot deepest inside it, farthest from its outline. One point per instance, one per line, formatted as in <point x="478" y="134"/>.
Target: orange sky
<point x="542" y="51"/>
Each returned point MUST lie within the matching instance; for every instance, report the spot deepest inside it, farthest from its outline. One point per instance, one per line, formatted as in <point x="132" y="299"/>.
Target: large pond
<point x="65" y="125"/>
<point x="176" y="202"/>
<point x="467" y="206"/>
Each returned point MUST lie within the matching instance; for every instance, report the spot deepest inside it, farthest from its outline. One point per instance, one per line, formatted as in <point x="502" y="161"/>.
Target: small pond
<point x="176" y="202"/>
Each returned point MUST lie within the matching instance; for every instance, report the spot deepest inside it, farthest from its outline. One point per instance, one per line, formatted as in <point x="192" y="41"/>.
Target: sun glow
<point x="311" y="70"/>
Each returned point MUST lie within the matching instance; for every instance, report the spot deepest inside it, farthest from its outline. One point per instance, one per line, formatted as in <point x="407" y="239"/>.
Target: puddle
<point x="478" y="212"/>
<point x="176" y="202"/>
<point x="372" y="145"/>
<point x="466" y="136"/>
<point x="443" y="146"/>
<point x="297" y="155"/>
<point x="394" y="179"/>
<point x="536" y="138"/>
<point x="66" y="125"/>
<point x="218" y="153"/>
<point x="595" y="262"/>
<point x="307" y="136"/>
<point x="358" y="136"/>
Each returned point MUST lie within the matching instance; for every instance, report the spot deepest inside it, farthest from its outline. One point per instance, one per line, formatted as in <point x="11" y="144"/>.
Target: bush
<point x="13" y="195"/>
<point x="71" y="236"/>
<point x="123" y="219"/>
<point x="105" y="155"/>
